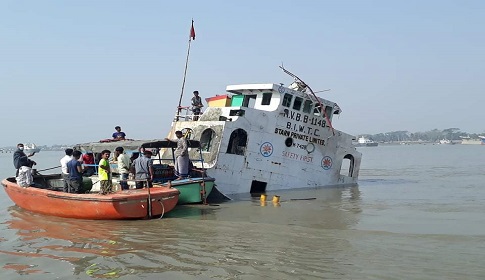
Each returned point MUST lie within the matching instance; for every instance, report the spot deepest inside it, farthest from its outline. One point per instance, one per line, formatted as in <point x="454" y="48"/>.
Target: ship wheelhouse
<point x="269" y="97"/>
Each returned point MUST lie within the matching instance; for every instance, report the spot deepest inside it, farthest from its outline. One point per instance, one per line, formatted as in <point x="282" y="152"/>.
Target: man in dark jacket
<point x="21" y="159"/>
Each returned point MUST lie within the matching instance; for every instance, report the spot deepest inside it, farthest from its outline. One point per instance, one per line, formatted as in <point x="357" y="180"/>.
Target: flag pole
<point x="192" y="36"/>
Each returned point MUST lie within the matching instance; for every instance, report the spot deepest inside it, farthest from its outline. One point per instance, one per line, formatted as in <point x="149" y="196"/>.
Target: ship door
<point x="347" y="167"/>
<point x="258" y="187"/>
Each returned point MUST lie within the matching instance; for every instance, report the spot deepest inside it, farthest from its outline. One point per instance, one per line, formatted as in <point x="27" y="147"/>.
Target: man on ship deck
<point x="196" y="105"/>
<point x="118" y="134"/>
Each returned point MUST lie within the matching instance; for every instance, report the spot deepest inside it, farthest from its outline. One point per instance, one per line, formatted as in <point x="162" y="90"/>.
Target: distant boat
<point x="446" y="142"/>
<point x="466" y="140"/>
<point x="30" y="148"/>
<point x="365" y="142"/>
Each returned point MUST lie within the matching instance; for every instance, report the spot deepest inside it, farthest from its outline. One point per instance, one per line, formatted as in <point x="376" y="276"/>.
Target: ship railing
<point x="184" y="113"/>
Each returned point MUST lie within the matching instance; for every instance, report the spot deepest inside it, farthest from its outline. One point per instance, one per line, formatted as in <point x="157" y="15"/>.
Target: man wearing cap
<point x="123" y="167"/>
<point x="143" y="169"/>
<point x="196" y="105"/>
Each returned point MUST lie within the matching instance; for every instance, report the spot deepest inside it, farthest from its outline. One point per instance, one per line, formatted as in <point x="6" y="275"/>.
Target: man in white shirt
<point x="65" y="173"/>
<point x="123" y="167"/>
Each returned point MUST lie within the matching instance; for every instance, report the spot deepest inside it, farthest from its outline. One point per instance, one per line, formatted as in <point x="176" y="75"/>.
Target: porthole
<point x="289" y="142"/>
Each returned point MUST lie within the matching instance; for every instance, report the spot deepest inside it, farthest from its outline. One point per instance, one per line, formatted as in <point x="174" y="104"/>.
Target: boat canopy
<point x="98" y="147"/>
<point x="131" y="145"/>
<point x="169" y="144"/>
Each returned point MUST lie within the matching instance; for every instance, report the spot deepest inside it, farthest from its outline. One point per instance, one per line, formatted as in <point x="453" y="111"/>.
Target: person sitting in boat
<point x="75" y="170"/>
<point x="196" y="105"/>
<point x="142" y="167"/>
<point x="118" y="134"/>
<point x="21" y="159"/>
<point x="181" y="156"/>
<point x="88" y="161"/>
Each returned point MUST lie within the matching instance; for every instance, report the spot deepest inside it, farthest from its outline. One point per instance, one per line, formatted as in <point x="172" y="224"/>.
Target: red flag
<point x="192" y="31"/>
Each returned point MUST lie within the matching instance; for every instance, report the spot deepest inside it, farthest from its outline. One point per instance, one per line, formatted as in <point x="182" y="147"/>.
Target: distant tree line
<point x="429" y="136"/>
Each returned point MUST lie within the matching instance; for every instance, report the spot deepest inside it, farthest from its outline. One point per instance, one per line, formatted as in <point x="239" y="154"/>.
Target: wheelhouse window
<point x="297" y="103"/>
<point x="287" y="99"/>
<point x="206" y="139"/>
<point x="317" y="111"/>
<point x="266" y="98"/>
<point x="328" y="111"/>
<point x="307" y="106"/>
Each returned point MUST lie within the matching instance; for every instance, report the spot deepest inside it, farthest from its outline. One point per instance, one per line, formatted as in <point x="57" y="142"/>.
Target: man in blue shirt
<point x="75" y="170"/>
<point x="119" y="135"/>
<point x="142" y="167"/>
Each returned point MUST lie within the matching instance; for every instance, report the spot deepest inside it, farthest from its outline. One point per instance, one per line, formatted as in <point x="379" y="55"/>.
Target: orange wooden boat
<point x="130" y="204"/>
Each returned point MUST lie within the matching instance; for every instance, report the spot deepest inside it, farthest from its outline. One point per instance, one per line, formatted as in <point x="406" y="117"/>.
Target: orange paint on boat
<point x="130" y="204"/>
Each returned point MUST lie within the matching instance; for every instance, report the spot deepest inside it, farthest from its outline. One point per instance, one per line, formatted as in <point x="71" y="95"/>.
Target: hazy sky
<point x="72" y="70"/>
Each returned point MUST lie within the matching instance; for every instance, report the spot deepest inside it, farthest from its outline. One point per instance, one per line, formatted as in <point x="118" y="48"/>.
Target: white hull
<point x="276" y="148"/>
<point x="471" y="142"/>
<point x="364" y="142"/>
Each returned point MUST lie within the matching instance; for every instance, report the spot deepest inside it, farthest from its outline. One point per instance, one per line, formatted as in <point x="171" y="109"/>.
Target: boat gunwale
<point x="135" y="194"/>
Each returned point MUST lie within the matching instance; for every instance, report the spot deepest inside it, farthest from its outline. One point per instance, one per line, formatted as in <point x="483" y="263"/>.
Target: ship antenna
<point x="304" y="85"/>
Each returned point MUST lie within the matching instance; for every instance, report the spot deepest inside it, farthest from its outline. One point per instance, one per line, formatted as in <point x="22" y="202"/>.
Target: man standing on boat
<point x="123" y="167"/>
<point x="104" y="173"/>
<point x="181" y="156"/>
<point x="143" y="169"/>
<point x="196" y="105"/>
<point x="75" y="173"/>
<point x="21" y="159"/>
<point x="64" y="172"/>
<point x="23" y="165"/>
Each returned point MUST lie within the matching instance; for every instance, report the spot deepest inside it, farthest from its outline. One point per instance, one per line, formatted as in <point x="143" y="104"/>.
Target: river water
<point x="418" y="213"/>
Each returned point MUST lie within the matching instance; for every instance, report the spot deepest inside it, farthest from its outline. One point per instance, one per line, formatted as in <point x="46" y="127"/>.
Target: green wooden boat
<point x="192" y="190"/>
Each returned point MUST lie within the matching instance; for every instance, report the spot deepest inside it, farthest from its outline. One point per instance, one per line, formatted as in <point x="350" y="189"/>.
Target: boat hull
<point x="131" y="204"/>
<point x="193" y="190"/>
<point x="285" y="168"/>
